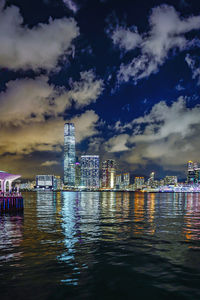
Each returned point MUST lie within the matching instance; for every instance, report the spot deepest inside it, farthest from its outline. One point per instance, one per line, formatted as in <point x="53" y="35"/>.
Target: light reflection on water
<point x="85" y="245"/>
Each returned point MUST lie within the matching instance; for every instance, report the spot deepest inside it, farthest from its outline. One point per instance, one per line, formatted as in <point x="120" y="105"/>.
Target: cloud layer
<point x="168" y="136"/>
<point x="165" y="37"/>
<point x="31" y="100"/>
<point x="35" y="48"/>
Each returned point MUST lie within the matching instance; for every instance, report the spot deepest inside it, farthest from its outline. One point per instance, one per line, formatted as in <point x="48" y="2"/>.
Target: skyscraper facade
<point x="151" y="180"/>
<point x="139" y="182"/>
<point x="126" y="180"/>
<point x="193" y="173"/>
<point x="170" y="180"/>
<point x="108" y="174"/>
<point x="69" y="155"/>
<point x="78" y="174"/>
<point x="90" y="171"/>
<point x="118" y="181"/>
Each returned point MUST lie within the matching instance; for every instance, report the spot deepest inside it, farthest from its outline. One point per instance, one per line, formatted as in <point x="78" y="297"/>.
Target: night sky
<point x="127" y="73"/>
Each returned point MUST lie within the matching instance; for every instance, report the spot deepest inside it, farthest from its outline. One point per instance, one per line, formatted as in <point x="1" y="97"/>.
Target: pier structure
<point x="9" y="200"/>
<point x="6" y="180"/>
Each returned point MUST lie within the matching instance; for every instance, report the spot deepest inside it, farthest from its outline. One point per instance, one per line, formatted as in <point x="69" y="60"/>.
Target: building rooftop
<point x="8" y="176"/>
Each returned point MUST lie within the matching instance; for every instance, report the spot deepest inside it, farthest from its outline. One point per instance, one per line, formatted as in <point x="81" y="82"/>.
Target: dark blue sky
<point x="127" y="73"/>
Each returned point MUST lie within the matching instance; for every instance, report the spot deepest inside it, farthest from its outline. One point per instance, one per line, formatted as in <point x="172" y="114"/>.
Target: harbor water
<point x="101" y="245"/>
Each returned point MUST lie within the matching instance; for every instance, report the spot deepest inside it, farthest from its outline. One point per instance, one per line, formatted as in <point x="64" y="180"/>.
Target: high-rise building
<point x="170" y="180"/>
<point x="191" y="172"/>
<point x="78" y="174"/>
<point x="126" y="180"/>
<point x="90" y="171"/>
<point x="108" y="174"/>
<point x="118" y="181"/>
<point x="190" y="165"/>
<point x="58" y="185"/>
<point x="151" y="180"/>
<point x="69" y="155"/>
<point x="139" y="183"/>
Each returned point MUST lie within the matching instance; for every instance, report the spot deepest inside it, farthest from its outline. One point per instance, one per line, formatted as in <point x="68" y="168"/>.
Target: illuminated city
<point x="86" y="175"/>
<point x="99" y="149"/>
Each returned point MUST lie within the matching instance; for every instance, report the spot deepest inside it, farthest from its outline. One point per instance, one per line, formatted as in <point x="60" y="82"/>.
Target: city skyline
<point x="90" y="173"/>
<point x="128" y="79"/>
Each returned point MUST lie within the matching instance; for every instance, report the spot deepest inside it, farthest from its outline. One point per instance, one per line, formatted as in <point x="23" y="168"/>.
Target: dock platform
<point x="11" y="203"/>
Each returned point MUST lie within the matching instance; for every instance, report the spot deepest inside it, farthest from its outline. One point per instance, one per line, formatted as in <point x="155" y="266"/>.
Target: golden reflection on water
<point x="191" y="217"/>
<point x="138" y="212"/>
<point x="151" y="211"/>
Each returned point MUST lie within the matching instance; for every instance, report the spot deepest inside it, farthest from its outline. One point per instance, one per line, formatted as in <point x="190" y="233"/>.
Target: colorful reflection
<point x="139" y="213"/>
<point x="151" y="211"/>
<point x="10" y="237"/>
<point x="192" y="217"/>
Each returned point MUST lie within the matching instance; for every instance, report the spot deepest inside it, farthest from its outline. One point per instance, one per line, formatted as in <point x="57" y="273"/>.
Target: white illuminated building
<point x="90" y="171"/>
<point x="69" y="155"/>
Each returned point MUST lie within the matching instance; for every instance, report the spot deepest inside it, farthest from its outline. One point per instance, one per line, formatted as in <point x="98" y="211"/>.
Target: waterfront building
<point x="45" y="182"/>
<point x="139" y="183"/>
<point x="57" y="183"/>
<point x="190" y="165"/>
<point x="118" y="181"/>
<point x="197" y="175"/>
<point x="77" y="174"/>
<point x="69" y="155"/>
<point x="6" y="180"/>
<point x="170" y="180"/>
<point x="126" y="180"/>
<point x="27" y="186"/>
<point x="191" y="172"/>
<point x="108" y="174"/>
<point x="151" y="180"/>
<point x="90" y="171"/>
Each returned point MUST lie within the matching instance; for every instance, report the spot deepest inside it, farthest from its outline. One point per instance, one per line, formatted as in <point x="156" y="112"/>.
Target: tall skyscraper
<point x="191" y="173"/>
<point x="126" y="180"/>
<point x="108" y="174"/>
<point x="90" y="171"/>
<point x="151" y="180"/>
<point x="118" y="181"/>
<point x="69" y="155"/>
<point x="78" y="174"/>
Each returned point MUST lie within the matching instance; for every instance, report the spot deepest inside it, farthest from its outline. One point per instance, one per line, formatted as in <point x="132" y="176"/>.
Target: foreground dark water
<point x="106" y="245"/>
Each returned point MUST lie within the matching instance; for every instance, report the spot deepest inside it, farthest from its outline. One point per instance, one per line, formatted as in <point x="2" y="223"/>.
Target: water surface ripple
<point x="101" y="245"/>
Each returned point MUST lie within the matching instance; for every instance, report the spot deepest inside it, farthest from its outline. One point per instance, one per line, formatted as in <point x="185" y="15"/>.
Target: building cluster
<point x="193" y="173"/>
<point x="88" y="174"/>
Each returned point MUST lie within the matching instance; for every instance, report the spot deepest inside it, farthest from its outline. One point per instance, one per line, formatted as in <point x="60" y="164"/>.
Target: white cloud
<point x="179" y="87"/>
<point x="49" y="163"/>
<point x="85" y="125"/>
<point x="71" y="5"/>
<point x="126" y="39"/>
<point x="166" y="34"/>
<point x="29" y="100"/>
<point x="117" y="143"/>
<point x="194" y="68"/>
<point x="35" y="48"/>
<point x="86" y="90"/>
<point x="26" y="100"/>
<point x="164" y="120"/>
<point x="168" y="136"/>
